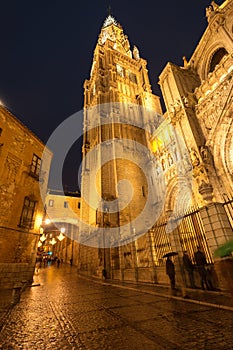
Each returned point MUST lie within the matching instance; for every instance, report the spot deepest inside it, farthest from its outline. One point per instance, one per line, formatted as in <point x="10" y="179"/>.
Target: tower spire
<point x="109" y="10"/>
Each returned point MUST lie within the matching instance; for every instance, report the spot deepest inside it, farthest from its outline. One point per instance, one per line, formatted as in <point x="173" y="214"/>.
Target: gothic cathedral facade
<point x="124" y="125"/>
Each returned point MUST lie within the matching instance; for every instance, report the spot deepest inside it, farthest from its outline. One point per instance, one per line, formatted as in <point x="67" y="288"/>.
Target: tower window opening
<point x="216" y="58"/>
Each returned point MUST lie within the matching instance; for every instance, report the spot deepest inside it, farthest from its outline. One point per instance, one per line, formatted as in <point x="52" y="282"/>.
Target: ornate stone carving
<point x="205" y="154"/>
<point x="194" y="158"/>
<point x="136" y="53"/>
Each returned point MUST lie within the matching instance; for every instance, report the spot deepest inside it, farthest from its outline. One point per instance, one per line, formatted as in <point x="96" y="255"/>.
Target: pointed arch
<point x="216" y="58"/>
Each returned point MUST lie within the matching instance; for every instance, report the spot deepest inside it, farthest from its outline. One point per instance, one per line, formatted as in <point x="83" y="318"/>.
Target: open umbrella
<point x="169" y="254"/>
<point x="224" y="250"/>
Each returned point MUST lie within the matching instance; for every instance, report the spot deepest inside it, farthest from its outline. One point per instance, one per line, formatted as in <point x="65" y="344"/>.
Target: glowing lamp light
<point x="60" y="237"/>
<point x="38" y="222"/>
<point x="156" y="144"/>
<point x="39" y="244"/>
<point x="53" y="241"/>
<point x="43" y="238"/>
<point x="47" y="221"/>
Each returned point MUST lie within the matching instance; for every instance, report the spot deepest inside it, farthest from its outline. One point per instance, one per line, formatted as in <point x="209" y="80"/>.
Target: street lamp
<point x="60" y="237"/>
<point x="53" y="241"/>
<point x="47" y="221"/>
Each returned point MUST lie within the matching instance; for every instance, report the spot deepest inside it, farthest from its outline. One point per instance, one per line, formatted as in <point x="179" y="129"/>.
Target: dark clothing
<point x="104" y="274"/>
<point x="187" y="262"/>
<point x="188" y="265"/>
<point x="201" y="262"/>
<point x="170" y="271"/>
<point x="200" y="258"/>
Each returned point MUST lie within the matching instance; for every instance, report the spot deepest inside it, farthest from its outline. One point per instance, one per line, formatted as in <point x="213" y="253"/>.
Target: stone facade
<point x="21" y="207"/>
<point x="198" y="100"/>
<point x="119" y="108"/>
<point x="63" y="211"/>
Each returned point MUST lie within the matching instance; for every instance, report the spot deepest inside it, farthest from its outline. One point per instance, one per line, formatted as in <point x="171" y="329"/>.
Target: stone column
<point x="217" y="226"/>
<point x="218" y="230"/>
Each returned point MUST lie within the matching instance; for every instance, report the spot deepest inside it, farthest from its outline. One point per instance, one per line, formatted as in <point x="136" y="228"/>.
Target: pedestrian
<point x="201" y="266"/>
<point x="58" y="262"/>
<point x="188" y="266"/>
<point x="45" y="261"/>
<point x="170" y="271"/>
<point x="71" y="262"/>
<point x="104" y="274"/>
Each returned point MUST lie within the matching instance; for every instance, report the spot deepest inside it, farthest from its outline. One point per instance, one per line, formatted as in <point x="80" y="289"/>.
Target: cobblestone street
<point x="67" y="311"/>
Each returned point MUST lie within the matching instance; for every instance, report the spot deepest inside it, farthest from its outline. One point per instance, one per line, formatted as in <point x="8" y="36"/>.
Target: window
<point x="65" y="204"/>
<point x="35" y="166"/>
<point x="26" y="219"/>
<point x="217" y="57"/>
<point x="79" y="205"/>
<point x="132" y="77"/>
<point x="51" y="203"/>
<point x="0" y="131"/>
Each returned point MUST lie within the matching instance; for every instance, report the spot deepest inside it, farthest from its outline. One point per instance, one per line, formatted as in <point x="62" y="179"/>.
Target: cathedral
<point x="155" y="182"/>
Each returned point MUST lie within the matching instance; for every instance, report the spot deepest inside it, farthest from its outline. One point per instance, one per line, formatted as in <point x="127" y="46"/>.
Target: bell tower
<point x="119" y="107"/>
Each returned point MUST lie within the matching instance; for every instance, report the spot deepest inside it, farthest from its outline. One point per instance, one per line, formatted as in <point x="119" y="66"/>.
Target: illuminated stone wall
<point x="117" y="87"/>
<point x="198" y="100"/>
<point x="19" y="178"/>
<point x="63" y="209"/>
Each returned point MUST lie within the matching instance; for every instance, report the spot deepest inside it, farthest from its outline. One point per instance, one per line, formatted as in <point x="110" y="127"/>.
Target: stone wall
<point x="17" y="257"/>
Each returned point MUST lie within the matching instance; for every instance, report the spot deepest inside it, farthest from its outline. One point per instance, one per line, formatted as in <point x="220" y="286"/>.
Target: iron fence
<point x="190" y="231"/>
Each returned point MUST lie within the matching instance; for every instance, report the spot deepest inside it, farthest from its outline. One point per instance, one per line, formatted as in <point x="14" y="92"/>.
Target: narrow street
<point x="67" y="311"/>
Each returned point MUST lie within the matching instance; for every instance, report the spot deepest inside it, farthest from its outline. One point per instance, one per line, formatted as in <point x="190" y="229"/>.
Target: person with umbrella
<point x="170" y="270"/>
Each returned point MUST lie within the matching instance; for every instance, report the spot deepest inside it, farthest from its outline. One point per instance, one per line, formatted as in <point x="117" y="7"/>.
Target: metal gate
<point x="190" y="231"/>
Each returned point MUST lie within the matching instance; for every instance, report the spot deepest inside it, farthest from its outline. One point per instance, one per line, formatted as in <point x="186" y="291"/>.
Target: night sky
<point x="47" y="49"/>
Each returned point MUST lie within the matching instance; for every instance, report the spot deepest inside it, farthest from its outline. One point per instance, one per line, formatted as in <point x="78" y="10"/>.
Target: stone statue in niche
<point x="187" y="161"/>
<point x="194" y="158"/>
<point x="205" y="154"/>
<point x="202" y="178"/>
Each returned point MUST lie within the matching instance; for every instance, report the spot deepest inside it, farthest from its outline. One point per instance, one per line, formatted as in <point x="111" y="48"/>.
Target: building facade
<point x="198" y="100"/>
<point x="119" y="109"/>
<point x="21" y="207"/>
<point x="61" y="226"/>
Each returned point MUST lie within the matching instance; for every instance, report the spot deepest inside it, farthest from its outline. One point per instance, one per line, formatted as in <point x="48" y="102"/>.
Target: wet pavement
<point x="71" y="312"/>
